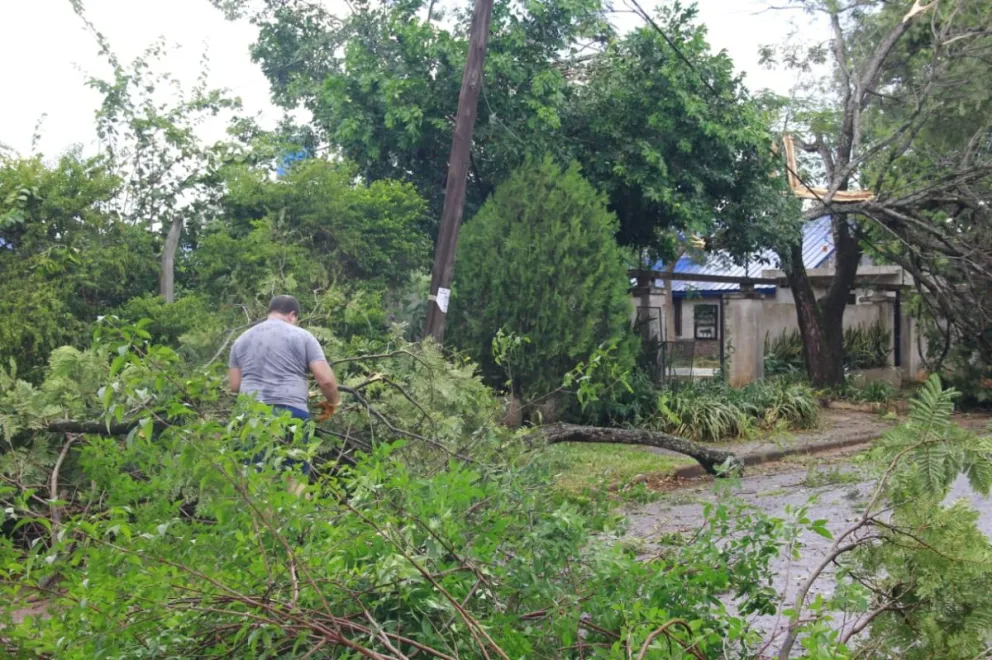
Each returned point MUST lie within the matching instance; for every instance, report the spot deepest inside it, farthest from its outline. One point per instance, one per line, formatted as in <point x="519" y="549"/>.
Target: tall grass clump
<point x="865" y="347"/>
<point x="711" y="411"/>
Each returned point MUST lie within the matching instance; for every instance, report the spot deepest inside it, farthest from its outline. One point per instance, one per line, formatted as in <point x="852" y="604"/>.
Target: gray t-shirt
<point x="274" y="359"/>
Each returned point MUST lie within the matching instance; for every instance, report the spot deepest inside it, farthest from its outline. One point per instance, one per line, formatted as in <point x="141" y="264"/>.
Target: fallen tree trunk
<point x="711" y="459"/>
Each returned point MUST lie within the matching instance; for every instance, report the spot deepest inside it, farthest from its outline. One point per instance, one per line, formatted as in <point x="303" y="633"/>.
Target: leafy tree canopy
<point x="61" y="261"/>
<point x="301" y="233"/>
<point x="675" y="149"/>
<point x="905" y="114"/>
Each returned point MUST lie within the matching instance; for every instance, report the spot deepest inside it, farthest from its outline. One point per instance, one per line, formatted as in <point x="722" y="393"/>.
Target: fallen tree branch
<point x="663" y="630"/>
<point x="53" y="488"/>
<point x="97" y="428"/>
<point x="710" y="459"/>
<point x="398" y="431"/>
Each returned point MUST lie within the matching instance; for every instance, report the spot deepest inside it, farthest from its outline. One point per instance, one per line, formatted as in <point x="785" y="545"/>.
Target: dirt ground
<point x="832" y="485"/>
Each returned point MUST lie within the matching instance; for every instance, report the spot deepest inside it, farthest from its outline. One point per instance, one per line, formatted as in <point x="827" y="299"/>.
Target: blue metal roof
<point x="290" y="157"/>
<point x="818" y="242"/>
<point x="818" y="246"/>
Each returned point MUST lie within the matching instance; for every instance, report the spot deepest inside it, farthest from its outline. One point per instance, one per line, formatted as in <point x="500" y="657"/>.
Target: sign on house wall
<point x="704" y="321"/>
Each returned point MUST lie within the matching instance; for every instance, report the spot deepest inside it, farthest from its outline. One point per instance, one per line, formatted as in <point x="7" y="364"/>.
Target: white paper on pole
<point x="443" y="295"/>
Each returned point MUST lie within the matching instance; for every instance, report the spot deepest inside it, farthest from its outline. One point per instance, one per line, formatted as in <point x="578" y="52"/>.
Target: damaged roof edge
<point x="818" y="247"/>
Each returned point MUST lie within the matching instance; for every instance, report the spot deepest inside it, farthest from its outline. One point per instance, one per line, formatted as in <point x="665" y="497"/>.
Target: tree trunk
<point x="821" y="322"/>
<point x="167" y="276"/>
<point x="710" y="459"/>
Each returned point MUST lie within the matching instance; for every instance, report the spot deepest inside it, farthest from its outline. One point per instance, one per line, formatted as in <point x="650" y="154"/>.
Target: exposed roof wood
<point x="800" y="189"/>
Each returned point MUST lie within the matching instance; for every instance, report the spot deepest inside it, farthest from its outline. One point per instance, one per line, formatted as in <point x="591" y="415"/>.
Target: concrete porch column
<point x="648" y="317"/>
<point x="649" y="310"/>
<point x="912" y="361"/>
<point x="746" y="328"/>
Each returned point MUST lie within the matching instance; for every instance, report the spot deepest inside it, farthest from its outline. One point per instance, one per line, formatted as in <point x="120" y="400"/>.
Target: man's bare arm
<point x="234" y="376"/>
<point x="328" y="384"/>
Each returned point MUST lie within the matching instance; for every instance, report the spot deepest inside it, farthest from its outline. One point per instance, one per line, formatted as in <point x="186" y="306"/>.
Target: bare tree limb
<point x="53" y="487"/>
<point x="710" y="459"/>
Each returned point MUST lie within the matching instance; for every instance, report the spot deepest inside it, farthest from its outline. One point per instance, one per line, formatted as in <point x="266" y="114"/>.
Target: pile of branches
<point x="389" y="559"/>
<point x="379" y="423"/>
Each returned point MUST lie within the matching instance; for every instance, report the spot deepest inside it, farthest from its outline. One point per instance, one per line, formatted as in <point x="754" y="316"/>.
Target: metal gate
<point x="676" y="362"/>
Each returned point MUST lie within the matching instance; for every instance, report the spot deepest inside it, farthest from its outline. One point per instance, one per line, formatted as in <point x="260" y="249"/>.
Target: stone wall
<point x="764" y="315"/>
<point x="781" y="317"/>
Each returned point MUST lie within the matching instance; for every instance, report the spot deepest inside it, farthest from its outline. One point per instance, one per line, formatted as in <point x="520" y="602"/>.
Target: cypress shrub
<point x="540" y="260"/>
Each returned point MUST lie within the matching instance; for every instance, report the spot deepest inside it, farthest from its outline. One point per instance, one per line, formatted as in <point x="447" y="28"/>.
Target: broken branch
<point x="710" y="459"/>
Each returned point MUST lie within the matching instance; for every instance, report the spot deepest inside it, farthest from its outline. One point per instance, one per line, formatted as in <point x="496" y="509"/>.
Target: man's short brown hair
<point x="284" y="305"/>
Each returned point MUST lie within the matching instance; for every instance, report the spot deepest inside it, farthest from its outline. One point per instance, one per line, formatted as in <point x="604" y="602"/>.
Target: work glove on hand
<point x="327" y="410"/>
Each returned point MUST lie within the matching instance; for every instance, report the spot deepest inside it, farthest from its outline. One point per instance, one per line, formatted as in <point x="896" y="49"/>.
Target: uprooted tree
<point x="905" y="118"/>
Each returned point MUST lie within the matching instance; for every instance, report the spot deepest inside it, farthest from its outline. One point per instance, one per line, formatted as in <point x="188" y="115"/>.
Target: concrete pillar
<point x="912" y="361"/>
<point x="745" y="325"/>
<point x="886" y="306"/>
<point x="649" y="310"/>
<point x="649" y="320"/>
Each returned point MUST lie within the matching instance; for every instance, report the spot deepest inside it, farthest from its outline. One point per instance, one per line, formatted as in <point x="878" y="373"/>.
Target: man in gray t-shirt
<point x="272" y="359"/>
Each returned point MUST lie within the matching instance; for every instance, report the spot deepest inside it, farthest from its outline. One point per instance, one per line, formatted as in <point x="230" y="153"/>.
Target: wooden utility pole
<point x="458" y="163"/>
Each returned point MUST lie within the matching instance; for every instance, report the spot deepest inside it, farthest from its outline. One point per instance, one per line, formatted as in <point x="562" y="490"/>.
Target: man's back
<point x="274" y="358"/>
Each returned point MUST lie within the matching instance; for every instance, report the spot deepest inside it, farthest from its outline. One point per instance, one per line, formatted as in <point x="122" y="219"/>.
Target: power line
<point x="671" y="44"/>
<point x="829" y="206"/>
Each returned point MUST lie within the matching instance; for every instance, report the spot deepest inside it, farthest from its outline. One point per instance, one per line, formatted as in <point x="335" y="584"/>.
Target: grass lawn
<point x="598" y="467"/>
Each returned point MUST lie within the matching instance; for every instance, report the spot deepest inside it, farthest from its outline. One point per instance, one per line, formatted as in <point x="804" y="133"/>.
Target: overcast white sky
<point x="45" y="54"/>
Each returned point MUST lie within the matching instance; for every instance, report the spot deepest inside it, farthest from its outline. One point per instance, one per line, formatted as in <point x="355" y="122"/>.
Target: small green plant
<point x="601" y="378"/>
<point x="703" y="412"/>
<point x="869" y="392"/>
<point x="712" y="411"/>
<point x="791" y="403"/>
<point x="506" y="346"/>
<point x="784" y="353"/>
<point x="865" y="347"/>
<point x="818" y="477"/>
<point x="877" y="392"/>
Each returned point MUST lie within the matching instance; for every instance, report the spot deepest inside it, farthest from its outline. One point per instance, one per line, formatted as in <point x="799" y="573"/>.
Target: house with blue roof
<point x="289" y="158"/>
<point x="704" y="311"/>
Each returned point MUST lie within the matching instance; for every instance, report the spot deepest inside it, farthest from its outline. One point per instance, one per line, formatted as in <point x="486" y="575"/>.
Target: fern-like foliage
<point x="932" y="569"/>
<point x="929" y="452"/>
<point x="936" y="565"/>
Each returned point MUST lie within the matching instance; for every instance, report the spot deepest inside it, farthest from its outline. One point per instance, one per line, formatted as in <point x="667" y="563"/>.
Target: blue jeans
<point x="289" y="463"/>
